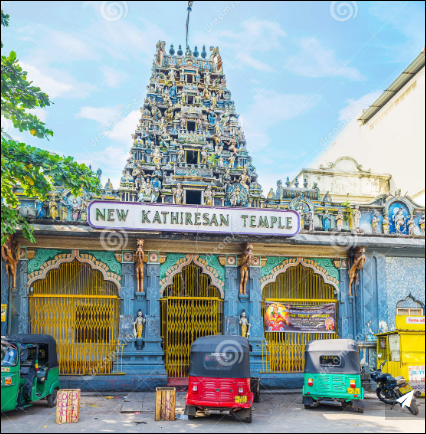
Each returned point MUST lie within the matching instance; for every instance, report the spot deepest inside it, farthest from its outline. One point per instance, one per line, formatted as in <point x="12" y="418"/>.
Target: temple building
<point x="189" y="245"/>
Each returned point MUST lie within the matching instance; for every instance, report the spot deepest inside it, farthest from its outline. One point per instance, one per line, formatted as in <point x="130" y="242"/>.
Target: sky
<point x="295" y="69"/>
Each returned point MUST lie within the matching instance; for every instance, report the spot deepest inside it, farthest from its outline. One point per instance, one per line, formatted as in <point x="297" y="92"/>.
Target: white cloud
<point x="103" y="116"/>
<point x="270" y="109"/>
<point x="354" y="108"/>
<point x="248" y="60"/>
<point x="40" y="113"/>
<point x="314" y="60"/>
<point x="113" y="77"/>
<point x="47" y="84"/>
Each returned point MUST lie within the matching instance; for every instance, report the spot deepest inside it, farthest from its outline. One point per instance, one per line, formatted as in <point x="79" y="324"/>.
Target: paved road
<point x="276" y="413"/>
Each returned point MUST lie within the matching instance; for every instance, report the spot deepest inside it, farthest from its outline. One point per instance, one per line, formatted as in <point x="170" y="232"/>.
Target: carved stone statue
<point x="178" y="195"/>
<point x="75" y="210"/>
<point x="376" y="222"/>
<point x="10" y="255"/>
<point x="138" y="325"/>
<point x="204" y="156"/>
<point x="244" y="178"/>
<point x="386" y="224"/>
<point x="411" y="226"/>
<point x="422" y="224"/>
<point x="340" y="219"/>
<point x="65" y="207"/>
<point x="181" y="155"/>
<point x="157" y="155"/>
<point x="358" y="265"/>
<point x="245" y="325"/>
<point x="53" y="208"/>
<point x="357" y="218"/>
<point x="246" y="263"/>
<point x="232" y="145"/>
<point x="400" y="221"/>
<point x="209" y="196"/>
<point x="140" y="258"/>
<point x="326" y="220"/>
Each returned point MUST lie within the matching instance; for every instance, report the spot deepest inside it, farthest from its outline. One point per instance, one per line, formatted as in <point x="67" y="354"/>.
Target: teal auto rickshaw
<point x="29" y="371"/>
<point x="333" y="375"/>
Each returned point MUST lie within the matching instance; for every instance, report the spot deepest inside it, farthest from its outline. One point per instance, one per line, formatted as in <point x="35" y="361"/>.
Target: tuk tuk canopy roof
<point x="37" y="340"/>
<point x="345" y="350"/>
<point x="220" y="357"/>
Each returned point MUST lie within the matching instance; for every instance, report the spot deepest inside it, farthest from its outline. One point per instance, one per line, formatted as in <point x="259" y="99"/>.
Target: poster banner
<point x="416" y="375"/>
<point x="287" y="318"/>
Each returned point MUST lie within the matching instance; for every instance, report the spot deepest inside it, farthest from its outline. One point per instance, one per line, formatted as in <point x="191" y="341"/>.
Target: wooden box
<point x="68" y="406"/>
<point x="165" y="406"/>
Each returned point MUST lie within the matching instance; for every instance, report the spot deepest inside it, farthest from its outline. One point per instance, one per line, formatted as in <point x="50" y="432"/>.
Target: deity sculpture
<point x="183" y="123"/>
<point x="53" y="208"/>
<point x="138" y="325"/>
<point x="400" y="221"/>
<point x="301" y="211"/>
<point x="245" y="325"/>
<point x="235" y="196"/>
<point x="340" y="219"/>
<point x="172" y="76"/>
<point x="386" y="224"/>
<point x="138" y="173"/>
<point x="200" y="125"/>
<point x="157" y="155"/>
<point x="214" y="100"/>
<point x="231" y="162"/>
<point x="40" y="209"/>
<point x="65" y="207"/>
<point x="358" y="265"/>
<point x="181" y="155"/>
<point x="221" y="162"/>
<point x="357" y="218"/>
<point x="207" y="78"/>
<point x="178" y="195"/>
<point x="209" y="196"/>
<point x="244" y="178"/>
<point x="140" y="258"/>
<point x="376" y="222"/>
<point x="246" y="263"/>
<point x="232" y="145"/>
<point x="422" y="224"/>
<point x="411" y="225"/>
<point x="75" y="210"/>
<point x="204" y="155"/>
<point x="10" y="255"/>
<point x="84" y="205"/>
<point x="326" y="220"/>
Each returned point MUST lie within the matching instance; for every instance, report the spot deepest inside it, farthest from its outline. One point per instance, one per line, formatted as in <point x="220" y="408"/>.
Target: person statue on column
<point x="140" y="259"/>
<point x="422" y="224"/>
<point x="245" y="325"/>
<point x="138" y="325"/>
<point x="246" y="263"/>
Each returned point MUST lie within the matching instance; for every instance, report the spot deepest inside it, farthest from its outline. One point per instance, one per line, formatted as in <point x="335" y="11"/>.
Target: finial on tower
<point x="190" y="4"/>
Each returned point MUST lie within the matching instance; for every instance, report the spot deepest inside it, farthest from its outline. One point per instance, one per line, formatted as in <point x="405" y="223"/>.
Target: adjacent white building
<point x="388" y="138"/>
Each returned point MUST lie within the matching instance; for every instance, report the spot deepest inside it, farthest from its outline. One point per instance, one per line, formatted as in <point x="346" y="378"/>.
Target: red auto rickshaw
<point x="219" y="378"/>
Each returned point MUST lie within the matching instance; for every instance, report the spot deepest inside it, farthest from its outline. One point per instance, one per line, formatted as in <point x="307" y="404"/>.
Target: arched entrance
<point x="299" y="285"/>
<point x="191" y="308"/>
<point x="81" y="310"/>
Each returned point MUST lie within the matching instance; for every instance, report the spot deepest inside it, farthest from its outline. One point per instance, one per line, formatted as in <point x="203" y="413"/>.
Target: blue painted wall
<point x="404" y="276"/>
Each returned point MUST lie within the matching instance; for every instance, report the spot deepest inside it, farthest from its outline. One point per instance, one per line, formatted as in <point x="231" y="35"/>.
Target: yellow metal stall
<point x="285" y="352"/>
<point x="81" y="310"/>
<point x="404" y="349"/>
<point x="191" y="308"/>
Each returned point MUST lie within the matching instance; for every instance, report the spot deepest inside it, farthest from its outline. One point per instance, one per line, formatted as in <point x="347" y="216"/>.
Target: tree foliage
<point x="34" y="170"/>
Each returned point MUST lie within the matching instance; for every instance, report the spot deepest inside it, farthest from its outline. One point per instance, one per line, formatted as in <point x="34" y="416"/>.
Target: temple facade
<point x="125" y="302"/>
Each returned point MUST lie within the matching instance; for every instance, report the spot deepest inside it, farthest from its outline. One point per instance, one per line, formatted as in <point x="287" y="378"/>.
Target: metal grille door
<point x="285" y="352"/>
<point x="191" y="308"/>
<point x="81" y="310"/>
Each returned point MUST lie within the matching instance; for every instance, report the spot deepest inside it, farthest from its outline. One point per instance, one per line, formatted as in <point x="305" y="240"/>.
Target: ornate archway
<point x="192" y="307"/>
<point x="80" y="308"/>
<point x="297" y="283"/>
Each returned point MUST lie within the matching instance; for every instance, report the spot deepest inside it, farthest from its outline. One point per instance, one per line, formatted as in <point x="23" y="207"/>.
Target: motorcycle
<point x="389" y="389"/>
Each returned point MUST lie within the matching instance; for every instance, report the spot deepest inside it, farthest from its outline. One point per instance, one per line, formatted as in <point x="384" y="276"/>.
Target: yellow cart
<point x="404" y="349"/>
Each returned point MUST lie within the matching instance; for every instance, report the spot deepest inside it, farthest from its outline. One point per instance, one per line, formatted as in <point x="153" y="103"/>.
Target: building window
<point x="191" y="125"/>
<point x="194" y="197"/>
<point x="409" y="312"/>
<point x="192" y="157"/>
<point x="190" y="78"/>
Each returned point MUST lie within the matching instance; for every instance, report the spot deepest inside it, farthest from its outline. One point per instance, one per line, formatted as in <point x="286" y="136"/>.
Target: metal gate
<point x="285" y="352"/>
<point x="191" y="308"/>
<point x="81" y="310"/>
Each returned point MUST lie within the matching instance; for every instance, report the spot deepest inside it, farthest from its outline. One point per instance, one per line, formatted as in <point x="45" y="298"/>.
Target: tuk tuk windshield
<point x="9" y="356"/>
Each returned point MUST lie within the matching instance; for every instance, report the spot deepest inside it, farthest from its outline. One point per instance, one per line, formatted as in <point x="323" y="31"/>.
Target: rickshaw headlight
<point x="310" y="382"/>
<point x="8" y="381"/>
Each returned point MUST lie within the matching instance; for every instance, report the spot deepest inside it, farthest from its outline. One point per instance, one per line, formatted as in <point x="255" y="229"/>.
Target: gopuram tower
<point x="189" y="147"/>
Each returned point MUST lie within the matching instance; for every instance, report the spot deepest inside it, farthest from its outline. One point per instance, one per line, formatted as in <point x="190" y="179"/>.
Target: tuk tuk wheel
<point x="52" y="399"/>
<point x="249" y="418"/>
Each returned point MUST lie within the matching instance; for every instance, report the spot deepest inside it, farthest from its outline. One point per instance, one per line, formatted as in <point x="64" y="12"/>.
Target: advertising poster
<point x="287" y="318"/>
<point x="416" y="376"/>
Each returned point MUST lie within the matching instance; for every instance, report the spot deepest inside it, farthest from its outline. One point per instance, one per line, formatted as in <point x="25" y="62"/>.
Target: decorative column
<point x="231" y="314"/>
<point x="257" y="332"/>
<point x="22" y="312"/>
<point x="128" y="289"/>
<point x="346" y="325"/>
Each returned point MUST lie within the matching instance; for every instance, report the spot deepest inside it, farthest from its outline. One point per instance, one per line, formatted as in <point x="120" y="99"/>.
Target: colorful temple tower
<point x="189" y="147"/>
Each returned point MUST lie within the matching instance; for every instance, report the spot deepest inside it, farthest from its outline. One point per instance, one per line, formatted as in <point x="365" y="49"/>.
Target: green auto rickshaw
<point x="333" y="374"/>
<point x="29" y="371"/>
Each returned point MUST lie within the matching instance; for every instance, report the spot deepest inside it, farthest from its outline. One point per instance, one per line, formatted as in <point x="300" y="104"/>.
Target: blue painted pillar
<point x="128" y="288"/>
<point x="4" y="295"/>
<point x="22" y="298"/>
<point x="231" y="314"/>
<point x="346" y="324"/>
<point x="257" y="332"/>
